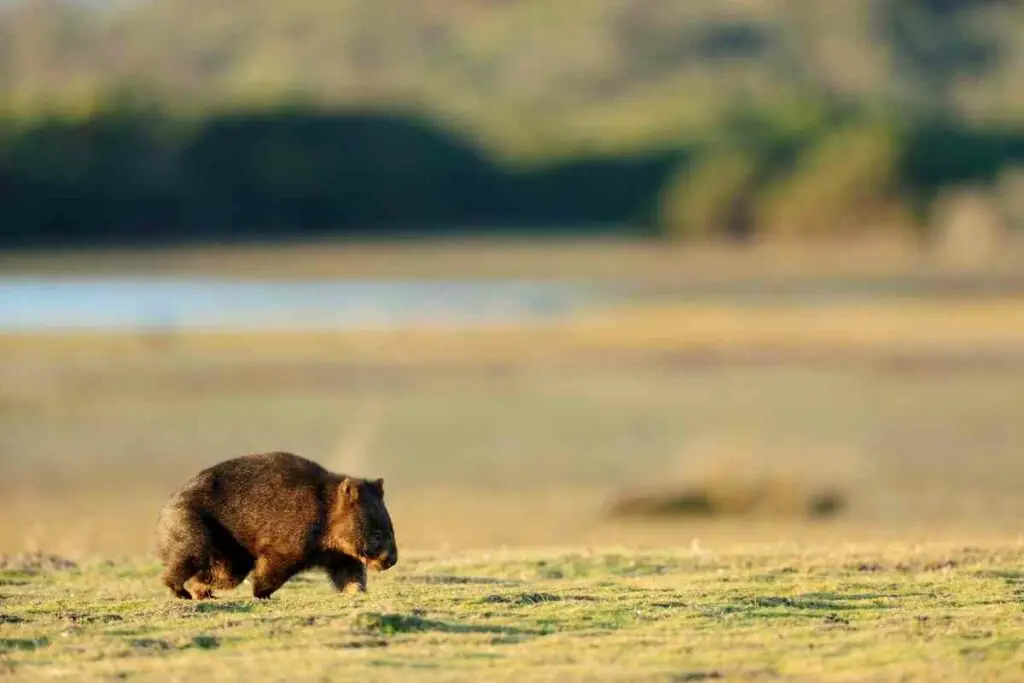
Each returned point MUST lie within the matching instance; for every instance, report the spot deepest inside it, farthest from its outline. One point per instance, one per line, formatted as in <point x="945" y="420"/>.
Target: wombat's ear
<point x="349" y="489"/>
<point x="378" y="484"/>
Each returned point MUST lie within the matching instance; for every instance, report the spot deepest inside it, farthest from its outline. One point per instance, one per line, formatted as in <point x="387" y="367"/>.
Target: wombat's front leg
<point x="347" y="574"/>
<point x="270" y="574"/>
<point x="200" y="590"/>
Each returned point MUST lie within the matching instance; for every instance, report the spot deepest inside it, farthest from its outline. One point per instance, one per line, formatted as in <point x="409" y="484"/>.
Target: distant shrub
<point x="737" y="476"/>
<point x="711" y="199"/>
<point x="844" y="184"/>
<point x="771" y="498"/>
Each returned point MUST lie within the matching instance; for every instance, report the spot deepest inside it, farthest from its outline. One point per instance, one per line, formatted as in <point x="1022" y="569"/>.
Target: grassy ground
<point x="880" y="613"/>
<point x="497" y="441"/>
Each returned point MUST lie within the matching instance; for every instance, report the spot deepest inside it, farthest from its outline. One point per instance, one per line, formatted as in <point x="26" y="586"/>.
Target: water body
<point x="167" y="303"/>
<point x="145" y="303"/>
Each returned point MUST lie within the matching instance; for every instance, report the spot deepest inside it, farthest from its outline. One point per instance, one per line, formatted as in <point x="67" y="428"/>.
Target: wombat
<point x="272" y="514"/>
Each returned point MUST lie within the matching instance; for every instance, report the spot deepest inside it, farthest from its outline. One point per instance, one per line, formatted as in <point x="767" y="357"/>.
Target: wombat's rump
<point x="274" y="515"/>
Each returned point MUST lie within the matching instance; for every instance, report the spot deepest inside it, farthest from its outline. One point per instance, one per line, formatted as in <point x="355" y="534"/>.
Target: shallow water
<point x="108" y="302"/>
<point x="149" y="303"/>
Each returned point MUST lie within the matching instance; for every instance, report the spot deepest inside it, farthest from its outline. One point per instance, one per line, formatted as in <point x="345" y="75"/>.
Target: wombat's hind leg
<point x="347" y="574"/>
<point x="225" y="574"/>
<point x="184" y="545"/>
<point x="177" y="573"/>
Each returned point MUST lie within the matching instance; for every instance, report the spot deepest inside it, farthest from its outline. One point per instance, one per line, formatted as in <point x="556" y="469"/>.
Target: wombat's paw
<point x="203" y="594"/>
<point x="182" y="594"/>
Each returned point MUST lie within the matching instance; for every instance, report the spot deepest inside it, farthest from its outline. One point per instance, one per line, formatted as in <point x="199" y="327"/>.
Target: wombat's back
<point x="248" y="473"/>
<point x="259" y="499"/>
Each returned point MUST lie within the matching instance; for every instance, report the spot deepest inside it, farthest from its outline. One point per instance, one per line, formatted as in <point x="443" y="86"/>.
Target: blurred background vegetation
<point x="180" y="121"/>
<point x="743" y="315"/>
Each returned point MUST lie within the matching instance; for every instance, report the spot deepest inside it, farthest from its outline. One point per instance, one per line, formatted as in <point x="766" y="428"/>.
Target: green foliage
<point x="171" y="120"/>
<point x="129" y="172"/>
<point x="840" y="185"/>
<point x="126" y="175"/>
<point x="583" y="76"/>
<point x="711" y="199"/>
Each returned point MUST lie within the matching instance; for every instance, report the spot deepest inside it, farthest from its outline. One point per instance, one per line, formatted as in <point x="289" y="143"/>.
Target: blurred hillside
<point x="695" y="119"/>
<point x="579" y="74"/>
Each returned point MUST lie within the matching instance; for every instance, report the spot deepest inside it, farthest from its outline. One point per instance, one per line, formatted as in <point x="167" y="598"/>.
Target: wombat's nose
<point x="388" y="559"/>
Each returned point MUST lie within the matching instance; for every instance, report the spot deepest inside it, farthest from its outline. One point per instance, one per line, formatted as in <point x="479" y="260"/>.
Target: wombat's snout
<point x="385" y="560"/>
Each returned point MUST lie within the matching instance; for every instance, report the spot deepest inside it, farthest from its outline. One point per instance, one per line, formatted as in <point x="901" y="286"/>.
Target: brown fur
<point x="272" y="515"/>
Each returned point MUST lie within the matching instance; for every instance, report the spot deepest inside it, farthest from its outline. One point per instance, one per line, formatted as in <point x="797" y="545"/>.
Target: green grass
<point x="749" y="613"/>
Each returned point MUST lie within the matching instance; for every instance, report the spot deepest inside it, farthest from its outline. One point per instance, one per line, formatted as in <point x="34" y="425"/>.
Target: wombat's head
<point x="361" y="526"/>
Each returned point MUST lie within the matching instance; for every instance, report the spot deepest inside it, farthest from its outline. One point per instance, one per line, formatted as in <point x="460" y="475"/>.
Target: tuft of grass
<point x="390" y="624"/>
<point x="22" y="644"/>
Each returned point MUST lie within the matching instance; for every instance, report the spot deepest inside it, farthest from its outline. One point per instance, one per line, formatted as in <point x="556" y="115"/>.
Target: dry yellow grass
<point x="90" y="446"/>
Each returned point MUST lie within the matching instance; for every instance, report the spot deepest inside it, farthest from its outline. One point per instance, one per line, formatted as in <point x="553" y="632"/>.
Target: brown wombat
<point x="272" y="514"/>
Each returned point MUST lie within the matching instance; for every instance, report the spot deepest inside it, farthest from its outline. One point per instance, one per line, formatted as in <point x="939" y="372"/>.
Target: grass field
<point x="503" y="450"/>
<point x="765" y="613"/>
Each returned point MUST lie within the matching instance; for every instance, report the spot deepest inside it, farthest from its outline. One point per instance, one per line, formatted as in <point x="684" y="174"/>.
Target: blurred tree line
<point x="129" y="121"/>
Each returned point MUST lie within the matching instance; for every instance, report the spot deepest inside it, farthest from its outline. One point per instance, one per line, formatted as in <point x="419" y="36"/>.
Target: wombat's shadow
<point x="220" y="606"/>
<point x="453" y="579"/>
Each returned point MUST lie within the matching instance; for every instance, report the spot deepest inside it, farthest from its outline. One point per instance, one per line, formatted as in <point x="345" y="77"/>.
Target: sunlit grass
<point x="751" y="613"/>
